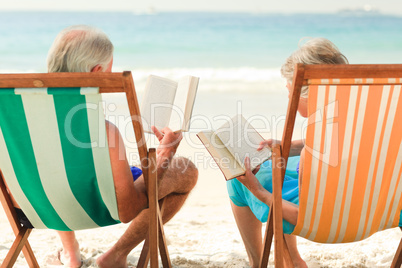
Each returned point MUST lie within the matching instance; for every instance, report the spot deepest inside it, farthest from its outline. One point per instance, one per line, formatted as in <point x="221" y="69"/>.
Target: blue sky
<point x="288" y="6"/>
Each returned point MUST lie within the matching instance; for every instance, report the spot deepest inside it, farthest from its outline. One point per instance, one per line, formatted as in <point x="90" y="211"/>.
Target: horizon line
<point x="155" y="12"/>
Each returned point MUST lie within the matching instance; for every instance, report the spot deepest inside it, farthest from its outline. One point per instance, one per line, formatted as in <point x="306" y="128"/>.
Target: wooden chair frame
<point x="107" y="83"/>
<point x="281" y="151"/>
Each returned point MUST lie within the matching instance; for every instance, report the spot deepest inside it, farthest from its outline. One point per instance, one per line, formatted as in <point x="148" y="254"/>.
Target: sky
<point x="276" y="6"/>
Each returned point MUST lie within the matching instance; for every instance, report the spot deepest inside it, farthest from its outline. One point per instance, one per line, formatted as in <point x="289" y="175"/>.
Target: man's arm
<point x="169" y="141"/>
<point x="131" y="200"/>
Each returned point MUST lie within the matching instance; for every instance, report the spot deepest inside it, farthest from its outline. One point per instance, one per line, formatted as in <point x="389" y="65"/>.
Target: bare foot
<point x="71" y="258"/>
<point x="108" y="259"/>
<point x="300" y="263"/>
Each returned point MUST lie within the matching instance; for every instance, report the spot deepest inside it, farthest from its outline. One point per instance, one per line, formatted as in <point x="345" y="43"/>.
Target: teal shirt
<point x="241" y="196"/>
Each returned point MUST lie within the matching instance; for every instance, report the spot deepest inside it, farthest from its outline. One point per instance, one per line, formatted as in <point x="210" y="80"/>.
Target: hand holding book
<point x="253" y="184"/>
<point x="232" y="143"/>
<point x="267" y="144"/>
<point x="168" y="141"/>
<point x="250" y="180"/>
<point x="168" y="103"/>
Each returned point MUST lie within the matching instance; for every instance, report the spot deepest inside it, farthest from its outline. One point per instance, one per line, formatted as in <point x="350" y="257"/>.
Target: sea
<point x="236" y="55"/>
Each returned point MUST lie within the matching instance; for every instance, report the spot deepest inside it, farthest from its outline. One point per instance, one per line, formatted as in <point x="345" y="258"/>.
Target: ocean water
<point x="245" y="44"/>
<point x="236" y="55"/>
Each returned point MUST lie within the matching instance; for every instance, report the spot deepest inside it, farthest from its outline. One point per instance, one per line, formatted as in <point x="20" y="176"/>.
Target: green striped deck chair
<point x="351" y="181"/>
<point x="54" y="156"/>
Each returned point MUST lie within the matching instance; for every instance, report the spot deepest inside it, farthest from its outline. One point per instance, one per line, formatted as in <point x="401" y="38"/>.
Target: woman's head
<point x="80" y="48"/>
<point x="313" y="51"/>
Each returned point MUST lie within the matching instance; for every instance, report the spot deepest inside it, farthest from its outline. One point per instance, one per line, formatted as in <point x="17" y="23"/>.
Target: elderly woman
<point x="250" y="194"/>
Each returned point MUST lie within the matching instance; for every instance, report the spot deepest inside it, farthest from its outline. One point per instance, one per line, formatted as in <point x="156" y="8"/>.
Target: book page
<point x="242" y="140"/>
<point x="183" y="103"/>
<point x="223" y="158"/>
<point x="156" y="106"/>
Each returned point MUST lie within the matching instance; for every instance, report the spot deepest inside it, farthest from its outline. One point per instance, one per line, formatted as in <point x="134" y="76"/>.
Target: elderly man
<point x="86" y="49"/>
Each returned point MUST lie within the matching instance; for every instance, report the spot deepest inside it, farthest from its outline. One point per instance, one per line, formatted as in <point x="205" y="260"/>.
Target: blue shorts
<point x="137" y="172"/>
<point x="242" y="197"/>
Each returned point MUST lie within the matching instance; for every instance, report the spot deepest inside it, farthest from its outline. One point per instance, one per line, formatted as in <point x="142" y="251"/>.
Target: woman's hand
<point x="250" y="180"/>
<point x="295" y="148"/>
<point x="267" y="144"/>
<point x="253" y="185"/>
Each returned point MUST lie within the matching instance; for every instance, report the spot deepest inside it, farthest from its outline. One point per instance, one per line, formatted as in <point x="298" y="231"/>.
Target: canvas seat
<point x="351" y="181"/>
<point x="54" y="156"/>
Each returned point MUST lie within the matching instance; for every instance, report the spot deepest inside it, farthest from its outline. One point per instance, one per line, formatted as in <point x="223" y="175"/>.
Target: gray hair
<point x="79" y="48"/>
<point x="314" y="51"/>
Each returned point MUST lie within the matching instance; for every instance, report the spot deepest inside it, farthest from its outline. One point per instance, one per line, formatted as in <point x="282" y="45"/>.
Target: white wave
<point x="16" y="70"/>
<point x="245" y="79"/>
<point x="219" y="79"/>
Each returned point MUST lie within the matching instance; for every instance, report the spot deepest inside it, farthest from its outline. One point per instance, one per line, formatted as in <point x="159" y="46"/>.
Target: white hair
<point x="79" y="48"/>
<point x="314" y="51"/>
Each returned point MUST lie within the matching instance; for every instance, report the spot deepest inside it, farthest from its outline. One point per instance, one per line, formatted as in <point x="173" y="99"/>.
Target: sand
<point x="204" y="234"/>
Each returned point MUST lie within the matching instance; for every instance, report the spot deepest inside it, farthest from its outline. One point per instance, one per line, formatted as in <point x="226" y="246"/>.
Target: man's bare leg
<point x="136" y="233"/>
<point x="71" y="250"/>
<point x="180" y="178"/>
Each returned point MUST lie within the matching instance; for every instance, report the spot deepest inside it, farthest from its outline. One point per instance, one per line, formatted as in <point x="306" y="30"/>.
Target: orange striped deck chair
<point x="56" y="164"/>
<point x="351" y="181"/>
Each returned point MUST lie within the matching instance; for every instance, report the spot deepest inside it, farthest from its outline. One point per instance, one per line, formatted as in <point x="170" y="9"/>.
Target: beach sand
<point x="204" y="232"/>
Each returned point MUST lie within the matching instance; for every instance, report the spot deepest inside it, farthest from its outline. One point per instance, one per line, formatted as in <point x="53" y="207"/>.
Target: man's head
<point x="80" y="48"/>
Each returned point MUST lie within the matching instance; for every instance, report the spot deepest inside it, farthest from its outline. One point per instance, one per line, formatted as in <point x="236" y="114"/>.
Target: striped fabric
<point x="351" y="186"/>
<point x="55" y="158"/>
<point x="371" y="81"/>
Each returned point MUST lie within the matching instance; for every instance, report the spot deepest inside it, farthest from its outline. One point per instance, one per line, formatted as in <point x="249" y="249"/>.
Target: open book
<point x="168" y="103"/>
<point x="231" y="144"/>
